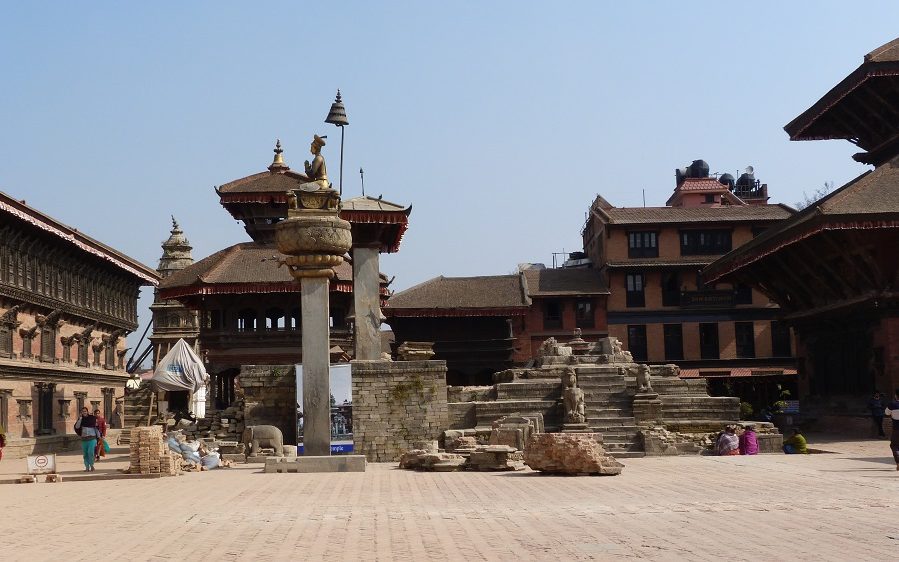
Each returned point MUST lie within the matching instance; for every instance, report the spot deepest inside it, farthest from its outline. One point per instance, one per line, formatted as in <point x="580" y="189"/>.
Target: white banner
<point x="42" y="464"/>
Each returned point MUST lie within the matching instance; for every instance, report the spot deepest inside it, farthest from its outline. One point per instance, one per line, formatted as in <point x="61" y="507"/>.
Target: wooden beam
<point x="800" y="285"/>
<point x="863" y="123"/>
<point x="805" y="259"/>
<point x="864" y="253"/>
<point x="847" y="256"/>
<point x="871" y="92"/>
<point x="777" y="271"/>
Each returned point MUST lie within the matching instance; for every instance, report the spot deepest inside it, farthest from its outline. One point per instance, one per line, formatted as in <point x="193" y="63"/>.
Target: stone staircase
<point x="608" y="398"/>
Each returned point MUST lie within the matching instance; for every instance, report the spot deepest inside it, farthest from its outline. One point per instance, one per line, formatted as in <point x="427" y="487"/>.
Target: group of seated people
<point x="735" y="440"/>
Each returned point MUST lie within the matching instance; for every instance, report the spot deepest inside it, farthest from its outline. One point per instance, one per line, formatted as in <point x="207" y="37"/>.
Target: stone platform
<point x="337" y="463"/>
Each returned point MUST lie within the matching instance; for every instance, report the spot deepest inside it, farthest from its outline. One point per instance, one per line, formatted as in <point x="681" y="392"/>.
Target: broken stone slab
<point x="569" y="453"/>
<point x="496" y="458"/>
<point x="420" y="459"/>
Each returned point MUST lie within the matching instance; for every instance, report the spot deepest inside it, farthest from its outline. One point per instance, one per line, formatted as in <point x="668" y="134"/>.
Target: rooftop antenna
<point x="362" y="175"/>
<point x="644" y="197"/>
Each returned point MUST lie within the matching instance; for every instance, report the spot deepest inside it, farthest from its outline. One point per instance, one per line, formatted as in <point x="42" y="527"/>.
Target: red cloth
<point x="101" y="425"/>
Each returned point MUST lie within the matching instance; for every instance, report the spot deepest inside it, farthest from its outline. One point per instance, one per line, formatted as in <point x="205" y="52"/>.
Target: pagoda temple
<point x="834" y="267"/>
<point x="248" y="304"/>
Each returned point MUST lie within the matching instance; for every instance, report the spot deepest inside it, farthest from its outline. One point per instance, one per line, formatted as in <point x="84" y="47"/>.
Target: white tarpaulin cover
<point x="180" y="369"/>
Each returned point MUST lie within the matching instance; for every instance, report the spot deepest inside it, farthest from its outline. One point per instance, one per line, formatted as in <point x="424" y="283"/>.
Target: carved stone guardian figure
<point x="573" y="399"/>
<point x="643" y="382"/>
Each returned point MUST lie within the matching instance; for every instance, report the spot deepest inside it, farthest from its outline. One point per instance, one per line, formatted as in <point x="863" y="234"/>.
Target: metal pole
<point x="341" y="161"/>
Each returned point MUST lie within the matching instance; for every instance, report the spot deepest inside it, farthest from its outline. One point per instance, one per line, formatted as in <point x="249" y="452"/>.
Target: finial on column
<point x="175" y="226"/>
<point x="278" y="162"/>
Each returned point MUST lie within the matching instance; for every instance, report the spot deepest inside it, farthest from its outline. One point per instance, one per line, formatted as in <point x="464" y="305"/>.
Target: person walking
<point x="101" y="434"/>
<point x="86" y="427"/>
<point x="2" y="441"/>
<point x="876" y="407"/>
<point x="892" y="410"/>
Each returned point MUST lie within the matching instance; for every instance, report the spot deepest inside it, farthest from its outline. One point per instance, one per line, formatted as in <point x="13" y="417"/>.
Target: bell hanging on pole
<point x="337" y="115"/>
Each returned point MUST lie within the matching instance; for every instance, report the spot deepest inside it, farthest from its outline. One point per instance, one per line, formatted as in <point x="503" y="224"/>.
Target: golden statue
<point x="316" y="171"/>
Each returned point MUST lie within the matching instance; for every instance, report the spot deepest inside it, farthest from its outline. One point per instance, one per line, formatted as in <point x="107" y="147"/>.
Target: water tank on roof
<point x="727" y="180"/>
<point x="746" y="182"/>
<point x="699" y="169"/>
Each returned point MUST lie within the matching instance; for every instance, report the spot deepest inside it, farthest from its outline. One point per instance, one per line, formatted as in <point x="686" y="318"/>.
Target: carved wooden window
<point x="97" y="350"/>
<point x="48" y="344"/>
<point x="80" y="397"/>
<point x="109" y="357"/>
<point x="4" y="406"/>
<point x="108" y="396"/>
<point x="82" y="352"/>
<point x="45" y="408"/>
<point x="27" y="337"/>
<point x="6" y="331"/>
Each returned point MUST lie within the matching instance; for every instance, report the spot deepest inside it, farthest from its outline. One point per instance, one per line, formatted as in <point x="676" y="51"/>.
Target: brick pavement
<point x="841" y="506"/>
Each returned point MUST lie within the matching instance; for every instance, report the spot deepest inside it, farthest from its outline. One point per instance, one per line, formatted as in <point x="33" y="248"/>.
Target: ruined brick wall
<point x="270" y="397"/>
<point x="396" y="404"/>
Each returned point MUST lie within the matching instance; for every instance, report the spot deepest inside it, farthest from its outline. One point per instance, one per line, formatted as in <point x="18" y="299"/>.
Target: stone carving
<point x="263" y="436"/>
<point x="577" y="344"/>
<point x="612" y="349"/>
<point x="461" y="444"/>
<point x="573" y="398"/>
<point x="570" y="453"/>
<point x="643" y="382"/>
<point x="415" y="351"/>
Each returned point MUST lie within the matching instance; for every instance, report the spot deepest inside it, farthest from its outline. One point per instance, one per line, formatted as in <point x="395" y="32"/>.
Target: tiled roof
<point x="701" y="184"/>
<point x="21" y="211"/>
<point x="674" y="215"/>
<point x="367" y="203"/>
<point x="865" y="202"/>
<point x="737" y="372"/>
<point x="640" y="263"/>
<point x="265" y="182"/>
<point x="498" y="291"/>
<point x="564" y="281"/>
<point x="885" y="53"/>
<point x="247" y="262"/>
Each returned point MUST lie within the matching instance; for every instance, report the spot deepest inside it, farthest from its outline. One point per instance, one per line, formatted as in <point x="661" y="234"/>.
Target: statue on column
<point x="573" y="398"/>
<point x="316" y="171"/>
<point x="643" y="382"/>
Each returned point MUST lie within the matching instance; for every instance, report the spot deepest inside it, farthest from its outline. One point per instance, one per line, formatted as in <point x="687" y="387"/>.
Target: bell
<point x="337" y="115"/>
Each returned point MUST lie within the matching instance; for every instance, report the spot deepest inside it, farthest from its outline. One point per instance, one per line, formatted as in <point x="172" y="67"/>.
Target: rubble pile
<point x="149" y="455"/>
<point x="223" y="425"/>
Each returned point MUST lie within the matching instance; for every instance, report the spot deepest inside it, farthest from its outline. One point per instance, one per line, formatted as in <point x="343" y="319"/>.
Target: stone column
<point x="316" y="364"/>
<point x="367" y="303"/>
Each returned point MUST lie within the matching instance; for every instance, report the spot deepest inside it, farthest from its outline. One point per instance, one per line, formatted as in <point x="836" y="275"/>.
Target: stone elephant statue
<point x="267" y="436"/>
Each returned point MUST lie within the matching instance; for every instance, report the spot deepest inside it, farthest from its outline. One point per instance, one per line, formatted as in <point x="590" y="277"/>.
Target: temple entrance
<point x="225" y="385"/>
<point x="841" y="360"/>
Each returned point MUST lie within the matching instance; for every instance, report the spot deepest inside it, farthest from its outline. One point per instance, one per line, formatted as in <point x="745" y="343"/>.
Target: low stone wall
<point x="270" y="397"/>
<point x="395" y="405"/>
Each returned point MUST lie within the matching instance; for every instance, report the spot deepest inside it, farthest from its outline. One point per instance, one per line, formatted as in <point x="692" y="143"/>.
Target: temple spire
<point x="278" y="162"/>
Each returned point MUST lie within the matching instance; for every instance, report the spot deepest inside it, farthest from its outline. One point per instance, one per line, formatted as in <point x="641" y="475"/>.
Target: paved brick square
<point x="842" y="506"/>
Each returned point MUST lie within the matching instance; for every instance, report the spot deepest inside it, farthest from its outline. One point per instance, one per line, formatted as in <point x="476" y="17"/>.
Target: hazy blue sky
<point x="498" y="121"/>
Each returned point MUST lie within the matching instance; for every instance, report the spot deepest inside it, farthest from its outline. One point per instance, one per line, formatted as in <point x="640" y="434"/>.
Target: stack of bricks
<point x="149" y="455"/>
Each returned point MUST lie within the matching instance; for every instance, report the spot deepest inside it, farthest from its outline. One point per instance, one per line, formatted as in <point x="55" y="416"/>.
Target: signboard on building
<point x="42" y="464"/>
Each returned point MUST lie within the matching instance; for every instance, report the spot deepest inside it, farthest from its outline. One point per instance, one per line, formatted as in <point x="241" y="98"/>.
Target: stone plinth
<point x="270" y="397"/>
<point x="397" y="404"/>
<point x="308" y="464"/>
<point x="495" y="458"/>
<point x="570" y="453"/>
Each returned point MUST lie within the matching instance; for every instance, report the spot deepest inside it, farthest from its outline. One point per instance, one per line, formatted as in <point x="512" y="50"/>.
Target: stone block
<point x="337" y="463"/>
<point x="569" y="453"/>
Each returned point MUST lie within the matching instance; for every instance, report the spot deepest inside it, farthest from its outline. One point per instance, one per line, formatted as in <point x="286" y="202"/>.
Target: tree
<point x="808" y="200"/>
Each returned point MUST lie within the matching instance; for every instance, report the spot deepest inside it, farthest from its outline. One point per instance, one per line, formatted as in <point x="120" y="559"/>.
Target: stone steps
<point x="529" y="390"/>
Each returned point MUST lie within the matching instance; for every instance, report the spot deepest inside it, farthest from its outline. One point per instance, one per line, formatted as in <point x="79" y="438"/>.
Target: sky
<point x="499" y="122"/>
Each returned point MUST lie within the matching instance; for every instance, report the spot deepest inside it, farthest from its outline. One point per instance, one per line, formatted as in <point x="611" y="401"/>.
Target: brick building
<point x="67" y="302"/>
<point x="481" y="325"/>
<point x="661" y="307"/>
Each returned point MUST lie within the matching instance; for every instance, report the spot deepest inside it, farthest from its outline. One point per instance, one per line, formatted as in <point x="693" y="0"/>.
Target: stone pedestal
<point x="306" y="464"/>
<point x="367" y="303"/>
<point x="575" y="428"/>
<point x="316" y="363"/>
<point x="647" y="408"/>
